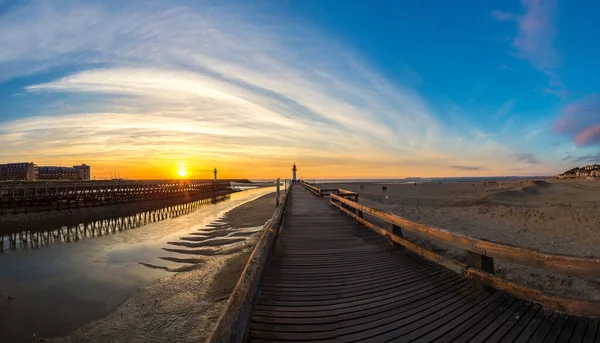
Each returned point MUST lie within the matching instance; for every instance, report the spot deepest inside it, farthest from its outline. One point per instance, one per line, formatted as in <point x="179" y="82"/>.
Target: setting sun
<point x="182" y="172"/>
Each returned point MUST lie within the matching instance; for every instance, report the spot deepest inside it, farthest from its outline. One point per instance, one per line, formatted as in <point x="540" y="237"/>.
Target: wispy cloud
<point x="536" y="31"/>
<point x="209" y="82"/>
<point x="505" y="109"/>
<point x="581" y="121"/>
<point x="503" y="16"/>
<point x="534" y="41"/>
<point x="527" y="158"/>
<point x="466" y="168"/>
<point x="591" y="158"/>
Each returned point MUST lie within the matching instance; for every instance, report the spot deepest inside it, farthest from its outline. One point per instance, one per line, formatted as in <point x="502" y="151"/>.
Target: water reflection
<point x="60" y="288"/>
<point x="29" y="239"/>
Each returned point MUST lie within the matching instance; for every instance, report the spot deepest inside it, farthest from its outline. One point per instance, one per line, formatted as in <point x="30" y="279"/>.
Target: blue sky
<point x="344" y="88"/>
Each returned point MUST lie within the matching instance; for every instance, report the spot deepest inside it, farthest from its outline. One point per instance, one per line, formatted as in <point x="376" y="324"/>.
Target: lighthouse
<point x="294" y="173"/>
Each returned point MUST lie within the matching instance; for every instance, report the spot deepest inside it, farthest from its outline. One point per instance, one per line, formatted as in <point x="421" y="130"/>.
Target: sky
<point x="345" y="89"/>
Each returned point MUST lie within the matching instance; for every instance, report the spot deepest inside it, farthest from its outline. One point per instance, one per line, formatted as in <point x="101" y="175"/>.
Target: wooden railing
<point x="232" y="325"/>
<point x="326" y="191"/>
<point x="479" y="268"/>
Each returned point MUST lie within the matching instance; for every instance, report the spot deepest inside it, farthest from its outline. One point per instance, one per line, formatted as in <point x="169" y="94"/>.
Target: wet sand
<point x="554" y="216"/>
<point x="184" y="307"/>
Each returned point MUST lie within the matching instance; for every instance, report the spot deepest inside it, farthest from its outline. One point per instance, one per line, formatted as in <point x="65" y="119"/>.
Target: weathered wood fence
<point x="479" y="268"/>
<point x="29" y="197"/>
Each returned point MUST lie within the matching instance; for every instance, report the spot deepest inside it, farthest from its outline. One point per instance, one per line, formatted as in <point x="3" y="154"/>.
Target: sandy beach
<point x="554" y="216"/>
<point x="184" y="307"/>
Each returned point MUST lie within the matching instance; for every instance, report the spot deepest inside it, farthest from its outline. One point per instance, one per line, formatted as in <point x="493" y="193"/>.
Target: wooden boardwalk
<point x="330" y="279"/>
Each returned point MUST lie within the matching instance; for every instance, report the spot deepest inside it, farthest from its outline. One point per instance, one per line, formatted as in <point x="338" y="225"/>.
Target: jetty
<point x="329" y="269"/>
<point x="46" y="196"/>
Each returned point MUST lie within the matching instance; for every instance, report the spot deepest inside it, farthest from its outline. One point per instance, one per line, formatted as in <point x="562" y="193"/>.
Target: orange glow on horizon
<point x="269" y="169"/>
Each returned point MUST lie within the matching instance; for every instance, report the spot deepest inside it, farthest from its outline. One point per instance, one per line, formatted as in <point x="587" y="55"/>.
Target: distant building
<point x="29" y="171"/>
<point x="85" y="172"/>
<point x="587" y="172"/>
<point x="25" y="171"/>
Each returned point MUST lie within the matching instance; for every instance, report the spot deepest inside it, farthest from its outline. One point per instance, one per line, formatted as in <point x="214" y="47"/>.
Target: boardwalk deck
<point x="331" y="280"/>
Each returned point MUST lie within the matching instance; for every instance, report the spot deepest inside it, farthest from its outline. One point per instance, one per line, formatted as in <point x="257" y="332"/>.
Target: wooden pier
<point x="318" y="275"/>
<point x="37" y="239"/>
<point x="46" y="196"/>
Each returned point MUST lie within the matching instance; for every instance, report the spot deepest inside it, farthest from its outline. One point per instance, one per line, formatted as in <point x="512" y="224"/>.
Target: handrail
<point x="480" y="254"/>
<point x="313" y="189"/>
<point x="324" y="191"/>
<point x="232" y="325"/>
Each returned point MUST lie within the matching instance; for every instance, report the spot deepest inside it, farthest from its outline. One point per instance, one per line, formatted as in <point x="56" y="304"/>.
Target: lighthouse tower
<point x="294" y="173"/>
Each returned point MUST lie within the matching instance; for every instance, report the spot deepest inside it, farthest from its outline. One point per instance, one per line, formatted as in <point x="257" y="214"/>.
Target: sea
<point x="417" y="179"/>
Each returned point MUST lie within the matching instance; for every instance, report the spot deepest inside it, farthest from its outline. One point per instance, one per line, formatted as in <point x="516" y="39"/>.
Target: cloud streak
<point x="527" y="158"/>
<point x="534" y="41"/>
<point x="580" y="121"/>
<point x="466" y="168"/>
<point x="536" y="31"/>
<point x="591" y="158"/>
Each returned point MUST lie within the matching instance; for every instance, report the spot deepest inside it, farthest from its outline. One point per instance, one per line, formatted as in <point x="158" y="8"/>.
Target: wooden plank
<point x="569" y="305"/>
<point x="451" y="264"/>
<point x="564" y="264"/>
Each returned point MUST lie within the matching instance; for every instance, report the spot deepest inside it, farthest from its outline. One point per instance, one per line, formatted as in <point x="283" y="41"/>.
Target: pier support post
<point x="482" y="262"/>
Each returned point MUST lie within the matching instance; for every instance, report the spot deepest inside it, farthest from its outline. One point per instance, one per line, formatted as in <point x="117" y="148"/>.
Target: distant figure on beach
<point x="384" y="188"/>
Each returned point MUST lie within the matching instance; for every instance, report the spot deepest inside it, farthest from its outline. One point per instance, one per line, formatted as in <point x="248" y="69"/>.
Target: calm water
<point x="60" y="287"/>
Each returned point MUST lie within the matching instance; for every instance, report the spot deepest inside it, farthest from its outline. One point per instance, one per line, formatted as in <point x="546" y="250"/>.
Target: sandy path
<point x="182" y="308"/>
<point x="555" y="216"/>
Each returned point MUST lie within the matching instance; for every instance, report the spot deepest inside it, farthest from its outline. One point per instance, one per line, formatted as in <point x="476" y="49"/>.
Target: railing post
<point x="481" y="262"/>
<point x="359" y="213"/>
<point x="277" y="195"/>
<point x="396" y="230"/>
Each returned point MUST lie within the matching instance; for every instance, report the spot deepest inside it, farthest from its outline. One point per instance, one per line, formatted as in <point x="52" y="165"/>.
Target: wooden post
<point x="359" y="213"/>
<point x="482" y="262"/>
<point x="277" y="195"/>
<point x="396" y="230"/>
